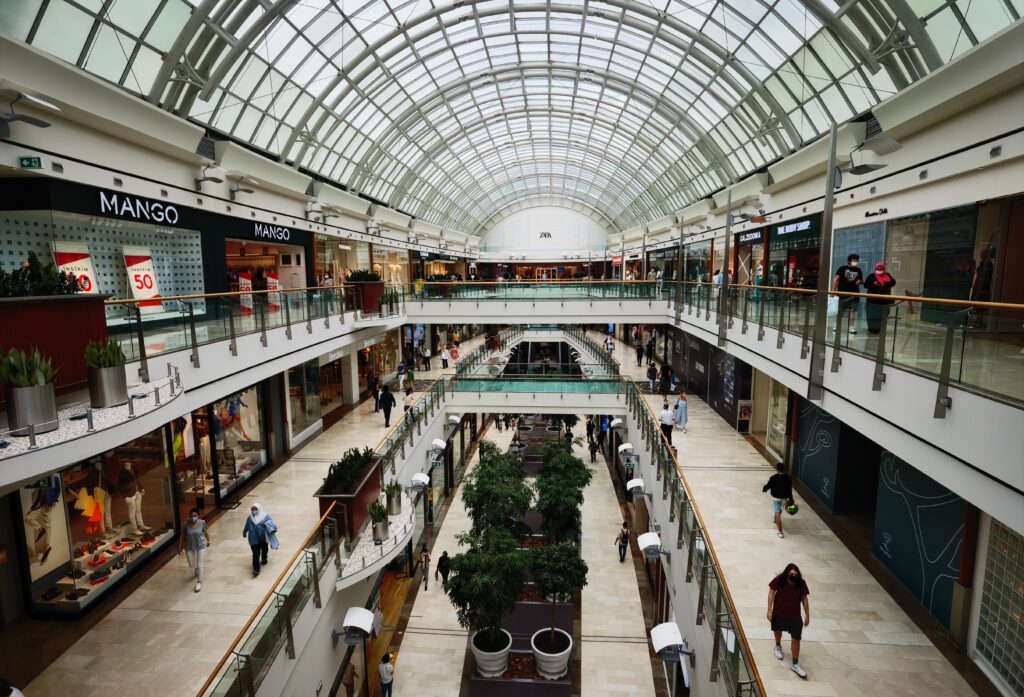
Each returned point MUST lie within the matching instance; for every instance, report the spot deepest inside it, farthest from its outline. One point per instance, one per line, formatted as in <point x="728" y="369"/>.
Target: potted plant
<point x="394" y="493"/>
<point x="108" y="385"/>
<point x="558" y="571"/>
<point x="483" y="586"/>
<point x="379" y="517"/>
<point x="495" y="493"/>
<point x="50" y="309"/>
<point x="28" y="386"/>
<point x="371" y="288"/>
<point x="353" y="482"/>
<point x="391" y="297"/>
<point x="560" y="485"/>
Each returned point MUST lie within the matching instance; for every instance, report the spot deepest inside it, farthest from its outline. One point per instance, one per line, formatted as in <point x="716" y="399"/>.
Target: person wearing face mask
<point x="787" y="593"/>
<point x="193" y="543"/>
<point x="878" y="285"/>
<point x="848" y="279"/>
<point x="261" y="532"/>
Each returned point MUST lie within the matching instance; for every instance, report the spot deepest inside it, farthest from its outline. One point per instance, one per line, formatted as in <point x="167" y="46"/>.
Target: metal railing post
<point x="233" y="343"/>
<point x="309" y="311"/>
<point x="805" y="345"/>
<point x="262" y="316"/>
<point x="246" y="679"/>
<point x="879" y="378"/>
<point x="282" y="616"/>
<point x="760" y="317"/>
<point x="746" y="311"/>
<point x="943" y="402"/>
<point x="837" y="360"/>
<point x="314" y="577"/>
<point x="287" y="315"/>
<point x="140" y="337"/>
<point x="192" y="333"/>
<point x="781" y="338"/>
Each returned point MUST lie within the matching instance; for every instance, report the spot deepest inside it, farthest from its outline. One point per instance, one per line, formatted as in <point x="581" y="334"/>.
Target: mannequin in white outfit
<point x="133" y="498"/>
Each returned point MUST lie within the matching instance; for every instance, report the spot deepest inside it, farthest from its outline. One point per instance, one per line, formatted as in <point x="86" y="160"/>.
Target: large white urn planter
<point x="552" y="666"/>
<point x="491" y="664"/>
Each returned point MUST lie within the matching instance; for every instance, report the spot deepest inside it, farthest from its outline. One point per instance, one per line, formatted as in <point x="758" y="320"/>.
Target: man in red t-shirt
<point x="786" y="593"/>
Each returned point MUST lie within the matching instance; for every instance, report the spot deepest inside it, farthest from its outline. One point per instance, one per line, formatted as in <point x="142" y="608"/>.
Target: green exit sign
<point x="30" y="162"/>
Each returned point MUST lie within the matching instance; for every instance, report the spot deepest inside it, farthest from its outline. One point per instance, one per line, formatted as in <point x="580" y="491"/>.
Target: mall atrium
<point x="487" y="348"/>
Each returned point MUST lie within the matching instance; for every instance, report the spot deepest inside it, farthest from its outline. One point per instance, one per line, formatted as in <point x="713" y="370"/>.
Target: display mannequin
<point x="103" y="492"/>
<point x="133" y="493"/>
<point x="40" y="519"/>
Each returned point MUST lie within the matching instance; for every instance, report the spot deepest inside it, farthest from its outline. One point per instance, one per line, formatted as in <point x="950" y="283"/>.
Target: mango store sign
<point x="122" y="205"/>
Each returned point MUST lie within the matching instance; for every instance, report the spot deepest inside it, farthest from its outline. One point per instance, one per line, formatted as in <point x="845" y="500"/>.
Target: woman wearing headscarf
<point x="879" y="283"/>
<point x="261" y="531"/>
<point x="680" y="409"/>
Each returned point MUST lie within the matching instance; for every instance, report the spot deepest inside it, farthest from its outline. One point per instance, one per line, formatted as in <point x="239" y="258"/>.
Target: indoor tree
<point x="495" y="493"/>
<point x="558" y="570"/>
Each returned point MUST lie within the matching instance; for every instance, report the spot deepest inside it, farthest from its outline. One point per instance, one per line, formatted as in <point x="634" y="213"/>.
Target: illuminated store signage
<point x="801" y="228"/>
<point x="137" y="208"/>
<point x="753" y="237"/>
<point x="272" y="232"/>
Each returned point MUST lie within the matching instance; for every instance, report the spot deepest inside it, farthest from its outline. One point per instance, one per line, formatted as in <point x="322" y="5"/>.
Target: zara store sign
<point x="123" y="205"/>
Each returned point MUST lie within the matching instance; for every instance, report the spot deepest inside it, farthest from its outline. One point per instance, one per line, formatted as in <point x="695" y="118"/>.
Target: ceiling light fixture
<point x="203" y="177"/>
<point x="7" y="119"/>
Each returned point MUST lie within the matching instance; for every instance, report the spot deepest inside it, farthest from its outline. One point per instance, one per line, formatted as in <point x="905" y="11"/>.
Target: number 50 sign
<point x="142" y="277"/>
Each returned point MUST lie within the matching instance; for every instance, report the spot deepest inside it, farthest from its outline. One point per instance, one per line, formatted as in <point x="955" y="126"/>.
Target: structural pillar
<point x="816" y="383"/>
<point x="349" y="379"/>
<point x="963" y="586"/>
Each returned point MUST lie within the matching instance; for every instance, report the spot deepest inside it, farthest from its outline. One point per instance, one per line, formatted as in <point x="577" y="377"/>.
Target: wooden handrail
<point x="232" y="294"/>
<point x="273" y="590"/>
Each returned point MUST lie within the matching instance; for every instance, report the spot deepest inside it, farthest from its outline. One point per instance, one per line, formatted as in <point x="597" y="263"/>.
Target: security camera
<point x="615" y="423"/>
<point x="671" y="646"/>
<point x="437" y="445"/>
<point x="419" y="482"/>
<point x="358" y="626"/>
<point x="626" y="449"/>
<point x="454" y="420"/>
<point x="636" y="488"/>
<point x="650" y="543"/>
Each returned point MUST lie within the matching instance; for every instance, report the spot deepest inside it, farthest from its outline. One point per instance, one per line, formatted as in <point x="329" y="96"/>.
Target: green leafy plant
<point x="560" y="485"/>
<point x="390" y="296"/>
<point x="26" y="369"/>
<point x="364" y="276"/>
<point x="104" y="354"/>
<point x="33" y="279"/>
<point x="557" y="571"/>
<point x="485" y="581"/>
<point x="343" y="474"/>
<point x="495" y="493"/>
<point x="393" y="489"/>
<point x="378" y="513"/>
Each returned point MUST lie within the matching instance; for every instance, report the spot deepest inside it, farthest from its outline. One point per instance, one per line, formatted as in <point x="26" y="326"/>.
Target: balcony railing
<point x="185" y="322"/>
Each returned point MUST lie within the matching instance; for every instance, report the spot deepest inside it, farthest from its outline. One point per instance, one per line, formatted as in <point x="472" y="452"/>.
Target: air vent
<point x="57" y="167"/>
<point x="996" y="151"/>
<point x="872" y="128"/>
<point x="206" y="148"/>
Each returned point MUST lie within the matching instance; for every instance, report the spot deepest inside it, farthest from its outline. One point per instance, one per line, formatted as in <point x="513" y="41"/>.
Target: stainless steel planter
<point x="380" y="532"/>
<point x="108" y="387"/>
<point x="34" y="406"/>
<point x="395" y="505"/>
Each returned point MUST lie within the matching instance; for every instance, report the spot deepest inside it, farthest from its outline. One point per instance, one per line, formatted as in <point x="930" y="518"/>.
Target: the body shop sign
<point x="121" y="205"/>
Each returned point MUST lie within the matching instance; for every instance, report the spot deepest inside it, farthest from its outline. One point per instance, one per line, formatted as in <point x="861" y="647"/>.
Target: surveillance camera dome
<point x="666" y="636"/>
<point x="650" y="543"/>
<point x="359" y="619"/>
<point x="420" y="481"/>
<point x="437" y="445"/>
<point x="615" y="423"/>
<point x="626" y="449"/>
<point x="635" y="485"/>
<point x="455" y="419"/>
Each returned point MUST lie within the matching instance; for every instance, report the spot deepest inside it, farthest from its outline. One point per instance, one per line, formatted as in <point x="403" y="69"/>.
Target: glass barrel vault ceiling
<point x="454" y="111"/>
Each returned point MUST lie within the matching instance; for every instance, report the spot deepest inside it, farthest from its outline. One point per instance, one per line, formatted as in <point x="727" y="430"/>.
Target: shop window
<point x="1000" y="639"/>
<point x="90" y="524"/>
<point x="303" y="396"/>
<point x="236" y="435"/>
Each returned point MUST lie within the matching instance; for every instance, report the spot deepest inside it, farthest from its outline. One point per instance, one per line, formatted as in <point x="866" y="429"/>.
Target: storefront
<point x="377" y="358"/>
<point x="86" y="528"/>
<point x="264" y="265"/>
<point x="750" y="257"/>
<point x="391" y="263"/>
<point x="769" y="408"/>
<point x="663" y="262"/>
<point x="302" y="383"/>
<point x="697" y="260"/>
<point x="793" y="253"/>
<point x="335" y="258"/>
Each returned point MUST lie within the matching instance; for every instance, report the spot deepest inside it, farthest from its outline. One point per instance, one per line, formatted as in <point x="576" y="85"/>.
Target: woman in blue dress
<point x="680" y="410"/>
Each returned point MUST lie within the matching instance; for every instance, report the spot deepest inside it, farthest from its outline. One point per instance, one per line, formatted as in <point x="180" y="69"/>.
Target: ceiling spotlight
<point x="856" y="170"/>
<point x="239" y="189"/>
<point x="7" y="119"/>
<point x="203" y="177"/>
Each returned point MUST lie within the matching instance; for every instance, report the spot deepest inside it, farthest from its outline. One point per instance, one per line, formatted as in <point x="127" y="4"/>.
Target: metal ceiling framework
<point x="456" y="112"/>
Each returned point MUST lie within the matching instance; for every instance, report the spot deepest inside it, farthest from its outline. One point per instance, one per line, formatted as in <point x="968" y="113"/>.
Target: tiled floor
<point x="165" y="639"/>
<point x="859" y="642"/>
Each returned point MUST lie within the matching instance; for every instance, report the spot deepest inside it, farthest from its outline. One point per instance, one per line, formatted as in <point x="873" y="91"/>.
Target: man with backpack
<point x="622" y="540"/>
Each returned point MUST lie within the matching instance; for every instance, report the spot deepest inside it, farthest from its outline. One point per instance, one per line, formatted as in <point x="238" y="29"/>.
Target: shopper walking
<point x="667" y="419"/>
<point x="593" y="451"/>
<point x="639" y="354"/>
<point x="680" y="409"/>
<point x="780" y="485"/>
<point x="374" y="390"/>
<point x="787" y="592"/>
<point x="652" y="376"/>
<point x="261" y="532"/>
<point x="446" y="356"/>
<point x="622" y="540"/>
<point x="444" y="565"/>
<point x="650" y="353"/>
<point x="407" y="399"/>
<point x="878" y="285"/>
<point x="425" y="563"/>
<point x="848" y="279"/>
<point x="387" y="403"/>
<point x="387" y="676"/>
<point x="601" y="433"/>
<point x="665" y="381"/>
<point x="590" y="428"/>
<point x="193" y="543"/>
<point x="425" y="355"/>
<point x="401" y="376"/>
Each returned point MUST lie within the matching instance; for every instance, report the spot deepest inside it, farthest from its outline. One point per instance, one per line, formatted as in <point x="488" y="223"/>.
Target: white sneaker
<point x="780" y="534"/>
<point x="796" y="668"/>
<point x="199" y="586"/>
<point x="778" y="652"/>
<point x="853" y="330"/>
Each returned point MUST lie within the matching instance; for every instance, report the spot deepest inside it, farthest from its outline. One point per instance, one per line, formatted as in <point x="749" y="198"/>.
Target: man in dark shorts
<point x="786" y="593"/>
<point x="848" y="279"/>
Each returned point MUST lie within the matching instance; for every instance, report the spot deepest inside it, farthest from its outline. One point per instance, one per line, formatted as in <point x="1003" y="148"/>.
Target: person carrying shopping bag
<point x="261" y="532"/>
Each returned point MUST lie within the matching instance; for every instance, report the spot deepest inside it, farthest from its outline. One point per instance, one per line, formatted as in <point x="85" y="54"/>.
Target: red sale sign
<point x="142" y="277"/>
<point x="245" y="287"/>
<point x="273" y="297"/>
<point x="74" y="258"/>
